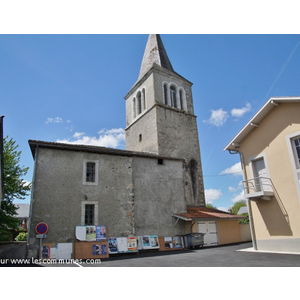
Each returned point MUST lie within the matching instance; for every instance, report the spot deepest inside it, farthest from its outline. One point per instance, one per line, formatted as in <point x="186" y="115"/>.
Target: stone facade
<point x="134" y="195"/>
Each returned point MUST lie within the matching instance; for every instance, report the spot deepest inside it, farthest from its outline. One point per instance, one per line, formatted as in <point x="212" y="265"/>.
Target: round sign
<point x="41" y="228"/>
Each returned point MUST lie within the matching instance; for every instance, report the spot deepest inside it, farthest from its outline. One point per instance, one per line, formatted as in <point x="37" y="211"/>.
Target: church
<point x="152" y="188"/>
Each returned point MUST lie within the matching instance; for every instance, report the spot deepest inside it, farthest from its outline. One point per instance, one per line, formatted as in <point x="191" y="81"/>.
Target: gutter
<point x="31" y="200"/>
<point x="248" y="201"/>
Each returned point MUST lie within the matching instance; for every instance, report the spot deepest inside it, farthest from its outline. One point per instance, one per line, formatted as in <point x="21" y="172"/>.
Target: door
<point x="210" y="230"/>
<point x="261" y="181"/>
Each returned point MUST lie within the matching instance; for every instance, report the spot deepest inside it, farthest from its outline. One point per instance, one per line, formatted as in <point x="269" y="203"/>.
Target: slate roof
<point x="94" y="149"/>
<point x="197" y="212"/>
<point x="154" y="53"/>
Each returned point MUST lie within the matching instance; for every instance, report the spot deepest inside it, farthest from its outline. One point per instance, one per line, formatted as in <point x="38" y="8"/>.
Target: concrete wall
<point x="228" y="231"/>
<point x="276" y="221"/>
<point x="245" y="233"/>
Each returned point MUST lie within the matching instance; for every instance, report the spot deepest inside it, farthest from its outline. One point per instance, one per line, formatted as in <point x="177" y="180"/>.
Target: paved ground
<point x="238" y="255"/>
<point x="221" y="256"/>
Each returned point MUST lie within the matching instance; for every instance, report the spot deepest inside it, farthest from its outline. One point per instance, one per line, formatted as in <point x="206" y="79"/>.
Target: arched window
<point x="134" y="108"/>
<point x="173" y="96"/>
<point x="143" y="99"/>
<point x="165" y="94"/>
<point x="182" y="99"/>
<point x="139" y="103"/>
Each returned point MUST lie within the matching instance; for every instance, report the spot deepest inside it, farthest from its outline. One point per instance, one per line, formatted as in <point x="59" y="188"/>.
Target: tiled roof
<point x="197" y="212"/>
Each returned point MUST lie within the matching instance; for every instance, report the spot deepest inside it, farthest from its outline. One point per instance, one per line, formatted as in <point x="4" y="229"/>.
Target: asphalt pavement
<point x="217" y="256"/>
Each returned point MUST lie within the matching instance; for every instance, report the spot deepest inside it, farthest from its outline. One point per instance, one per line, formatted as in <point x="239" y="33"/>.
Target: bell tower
<point x="160" y="117"/>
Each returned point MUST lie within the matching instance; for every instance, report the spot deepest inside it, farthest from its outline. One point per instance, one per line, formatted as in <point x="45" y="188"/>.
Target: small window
<point x="90" y="171"/>
<point x="89" y="214"/>
<point x="140" y="137"/>
<point x="296" y="148"/>
<point x="160" y="161"/>
<point x="165" y="94"/>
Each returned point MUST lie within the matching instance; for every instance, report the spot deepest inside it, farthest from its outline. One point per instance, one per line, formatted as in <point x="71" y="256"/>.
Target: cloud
<point x="238" y="197"/>
<point x="111" y="138"/>
<point x="54" y="120"/>
<point x="218" y="117"/>
<point x="239" y="112"/>
<point x="211" y="195"/>
<point x="232" y="189"/>
<point x="235" y="170"/>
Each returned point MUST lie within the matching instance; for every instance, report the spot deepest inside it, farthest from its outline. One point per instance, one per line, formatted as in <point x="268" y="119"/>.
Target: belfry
<point x="160" y="117"/>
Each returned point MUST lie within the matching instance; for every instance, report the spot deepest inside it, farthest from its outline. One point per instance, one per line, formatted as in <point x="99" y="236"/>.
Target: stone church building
<point x="147" y="188"/>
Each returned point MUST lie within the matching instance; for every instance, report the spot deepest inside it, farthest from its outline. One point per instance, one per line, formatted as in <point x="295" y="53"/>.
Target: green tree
<point x="208" y="205"/>
<point x="14" y="186"/>
<point x="235" y="209"/>
<point x="237" y="205"/>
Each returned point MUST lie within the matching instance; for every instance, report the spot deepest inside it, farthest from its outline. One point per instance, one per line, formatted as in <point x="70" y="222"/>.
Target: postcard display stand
<point x="91" y="242"/>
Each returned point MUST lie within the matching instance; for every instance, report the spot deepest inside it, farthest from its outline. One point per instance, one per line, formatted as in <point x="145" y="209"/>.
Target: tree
<point x="237" y="205"/>
<point x="209" y="205"/>
<point x="14" y="186"/>
<point x="235" y="209"/>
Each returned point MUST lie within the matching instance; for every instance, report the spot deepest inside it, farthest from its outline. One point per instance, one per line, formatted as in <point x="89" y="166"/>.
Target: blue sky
<point x="72" y="87"/>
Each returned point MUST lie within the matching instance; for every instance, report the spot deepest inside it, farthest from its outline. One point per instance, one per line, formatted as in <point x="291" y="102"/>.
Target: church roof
<point x="197" y="212"/>
<point x="154" y="53"/>
<point x="94" y="149"/>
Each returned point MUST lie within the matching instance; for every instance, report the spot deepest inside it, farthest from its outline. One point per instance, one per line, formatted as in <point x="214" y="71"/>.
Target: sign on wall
<point x="90" y="233"/>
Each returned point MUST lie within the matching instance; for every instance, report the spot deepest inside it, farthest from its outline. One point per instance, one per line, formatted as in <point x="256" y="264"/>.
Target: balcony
<point x="258" y="188"/>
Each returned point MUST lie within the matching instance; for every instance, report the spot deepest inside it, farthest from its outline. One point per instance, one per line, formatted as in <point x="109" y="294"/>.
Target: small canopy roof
<point x="197" y="212"/>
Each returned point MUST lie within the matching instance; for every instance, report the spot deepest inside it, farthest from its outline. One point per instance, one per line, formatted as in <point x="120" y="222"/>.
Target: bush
<point x="21" y="237"/>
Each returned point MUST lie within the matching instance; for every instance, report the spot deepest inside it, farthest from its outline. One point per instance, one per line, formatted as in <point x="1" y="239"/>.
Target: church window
<point x="139" y="103"/>
<point x="90" y="172"/>
<point x="89" y="214"/>
<point x="173" y="96"/>
<point x="165" y="94"/>
<point x="143" y="99"/>
<point x="140" y="138"/>
<point x="134" y="107"/>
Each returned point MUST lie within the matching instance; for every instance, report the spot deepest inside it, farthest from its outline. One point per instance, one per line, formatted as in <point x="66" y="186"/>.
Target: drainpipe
<point x="31" y="200"/>
<point x="248" y="201"/>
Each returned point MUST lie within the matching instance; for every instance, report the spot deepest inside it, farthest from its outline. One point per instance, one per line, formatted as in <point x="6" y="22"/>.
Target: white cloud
<point x="212" y="195"/>
<point x="232" y="189"/>
<point x="78" y="134"/>
<point x="233" y="170"/>
<point x="239" y="112"/>
<point x="54" y="120"/>
<point x="238" y="197"/>
<point x="218" y="117"/>
<point x="111" y="138"/>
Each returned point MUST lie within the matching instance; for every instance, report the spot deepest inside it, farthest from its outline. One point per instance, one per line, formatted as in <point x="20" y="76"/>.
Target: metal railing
<point x="258" y="184"/>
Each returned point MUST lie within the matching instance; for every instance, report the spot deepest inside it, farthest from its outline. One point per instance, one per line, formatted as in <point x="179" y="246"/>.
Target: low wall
<point x="13" y="249"/>
<point x="245" y="233"/>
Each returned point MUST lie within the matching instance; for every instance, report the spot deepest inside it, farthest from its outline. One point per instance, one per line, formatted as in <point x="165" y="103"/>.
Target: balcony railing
<point x="258" y="188"/>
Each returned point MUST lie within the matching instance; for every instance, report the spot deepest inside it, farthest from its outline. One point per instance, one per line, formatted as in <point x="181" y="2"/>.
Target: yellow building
<point x="269" y="149"/>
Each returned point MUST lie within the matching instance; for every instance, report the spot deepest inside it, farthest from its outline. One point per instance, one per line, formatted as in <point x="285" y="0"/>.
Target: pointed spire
<point x="154" y="53"/>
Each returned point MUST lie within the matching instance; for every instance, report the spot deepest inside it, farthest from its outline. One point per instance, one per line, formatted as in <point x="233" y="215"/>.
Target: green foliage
<point x="244" y="221"/>
<point x="236" y="207"/>
<point x="208" y="205"/>
<point x="21" y="237"/>
<point x="14" y="186"/>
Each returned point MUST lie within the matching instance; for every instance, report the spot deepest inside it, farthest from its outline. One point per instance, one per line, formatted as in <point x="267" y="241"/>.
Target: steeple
<point x="154" y="53"/>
